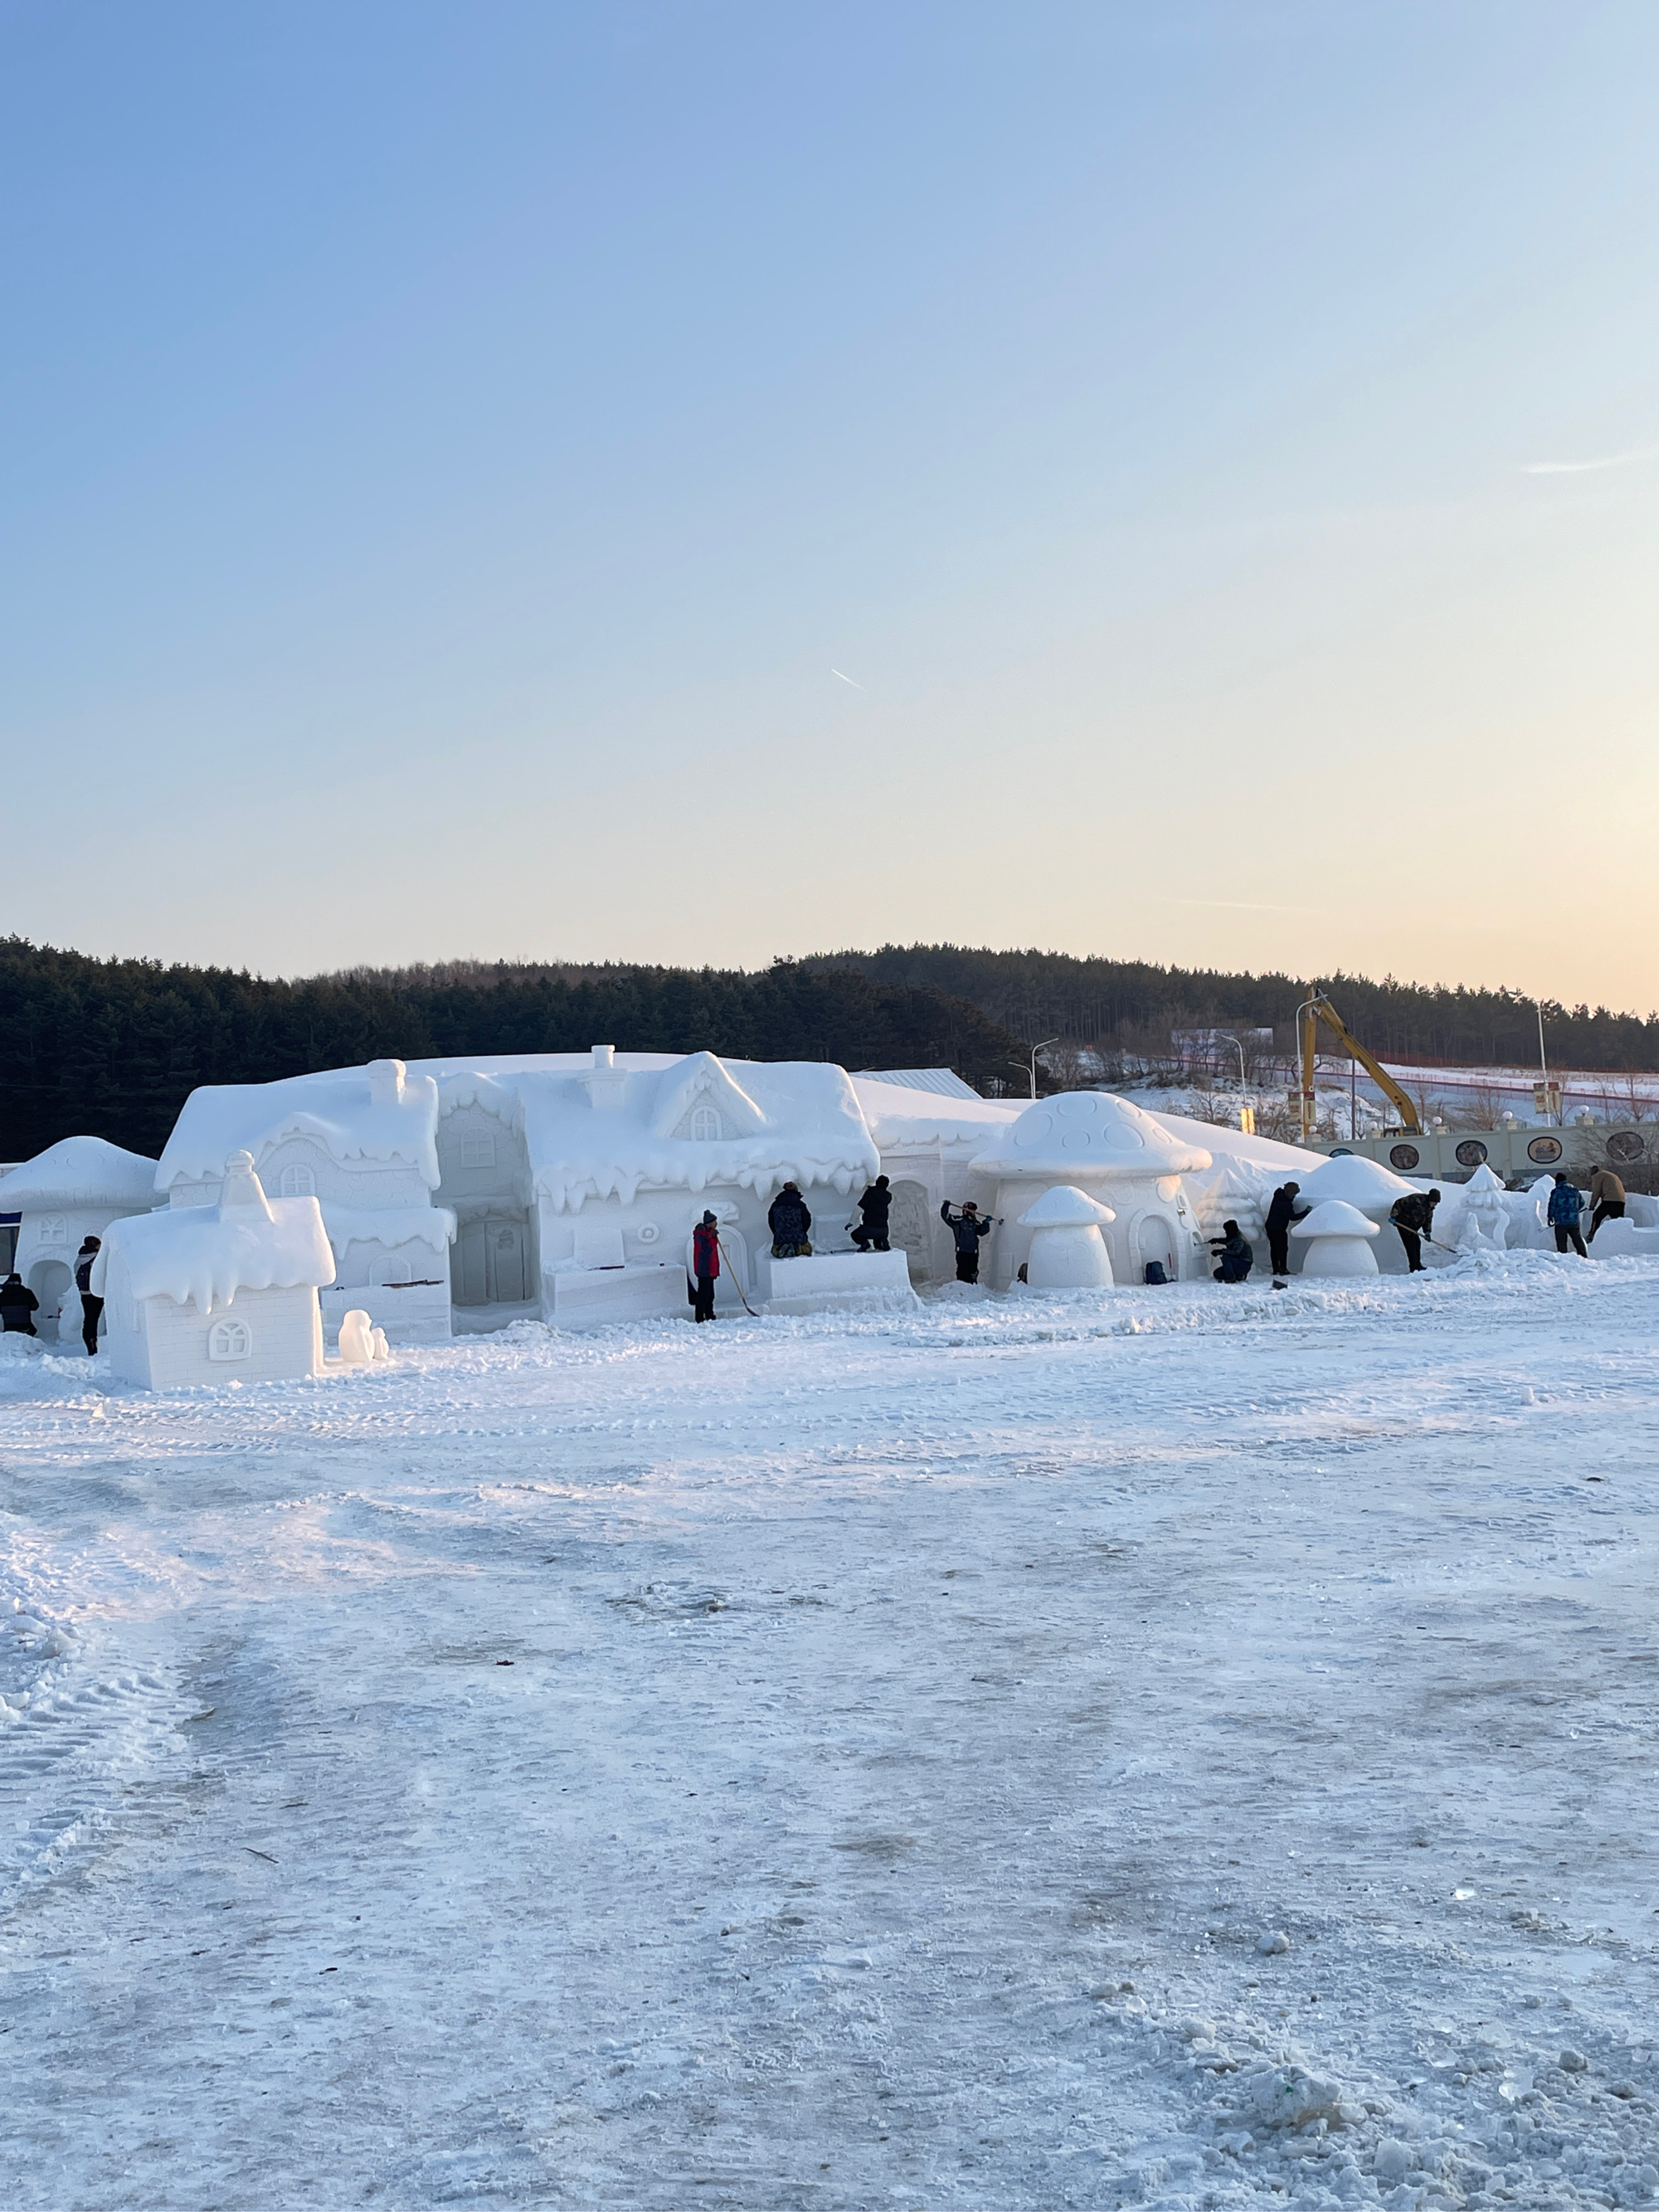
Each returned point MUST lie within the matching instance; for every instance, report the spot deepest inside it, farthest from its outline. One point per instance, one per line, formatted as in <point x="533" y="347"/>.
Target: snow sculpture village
<point x="361" y="1208"/>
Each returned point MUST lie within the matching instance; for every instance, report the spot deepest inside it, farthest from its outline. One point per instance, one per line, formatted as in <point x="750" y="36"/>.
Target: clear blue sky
<point x="448" y="448"/>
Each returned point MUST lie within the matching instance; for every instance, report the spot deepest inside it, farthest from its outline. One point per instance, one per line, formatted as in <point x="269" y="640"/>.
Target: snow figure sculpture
<point x="1339" y="1240"/>
<point x="1068" y="1252"/>
<point x="1486" y="1224"/>
<point x="357" y="1339"/>
<point x="382" y="1349"/>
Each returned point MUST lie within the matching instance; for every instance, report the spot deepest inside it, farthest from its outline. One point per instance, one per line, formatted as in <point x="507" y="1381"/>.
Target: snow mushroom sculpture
<point x="1090" y="1141"/>
<point x="1068" y="1252"/>
<point x="1339" y="1240"/>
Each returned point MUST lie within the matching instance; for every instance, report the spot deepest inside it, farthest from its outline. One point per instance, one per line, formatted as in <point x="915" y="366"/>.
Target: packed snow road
<point x="1177" y="1747"/>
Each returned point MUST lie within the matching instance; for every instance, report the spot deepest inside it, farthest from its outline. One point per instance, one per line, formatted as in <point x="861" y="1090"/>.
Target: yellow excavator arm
<point x="1317" y="1008"/>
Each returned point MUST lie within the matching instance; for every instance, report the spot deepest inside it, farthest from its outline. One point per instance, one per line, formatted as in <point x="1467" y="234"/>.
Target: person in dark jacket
<point x="969" y="1228"/>
<point x="91" y="1308"/>
<point x="705" y="1265"/>
<point x="18" y="1307"/>
<point x="1413" y="1216"/>
<point x="1607" y="1200"/>
<point x="1565" y="1211"/>
<point x="1233" y="1250"/>
<point x="1281" y="1211"/>
<point x="872" y="1231"/>
<point x="789" y="1221"/>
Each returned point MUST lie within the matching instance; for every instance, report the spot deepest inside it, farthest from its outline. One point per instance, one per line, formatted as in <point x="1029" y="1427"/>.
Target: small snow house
<point x="217" y="1293"/>
<point x="72" y="1190"/>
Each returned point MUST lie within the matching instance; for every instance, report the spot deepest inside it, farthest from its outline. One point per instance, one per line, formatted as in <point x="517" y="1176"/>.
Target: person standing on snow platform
<point x="1413" y="1216"/>
<point x="1567" y="1210"/>
<point x="1281" y="1211"/>
<point x="18" y="1307"/>
<point x="91" y="1308"/>
<point x="705" y="1265"/>
<point x="1607" y="1200"/>
<point x="874" y="1206"/>
<point x="1234" y="1252"/>
<point x="789" y="1222"/>
<point x="969" y="1228"/>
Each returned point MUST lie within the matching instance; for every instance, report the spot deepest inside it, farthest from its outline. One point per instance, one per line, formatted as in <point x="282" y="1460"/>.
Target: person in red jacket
<point x="705" y="1265"/>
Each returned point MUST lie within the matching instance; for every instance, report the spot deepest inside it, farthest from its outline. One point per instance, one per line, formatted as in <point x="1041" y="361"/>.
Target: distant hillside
<point x="1128" y="1006"/>
<point x="112" y="1048"/>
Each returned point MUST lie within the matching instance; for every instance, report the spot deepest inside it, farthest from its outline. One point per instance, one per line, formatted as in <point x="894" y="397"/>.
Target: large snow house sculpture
<point x="217" y="1293"/>
<point x="1114" y="1153"/>
<point x="71" y="1191"/>
<point x="363" y="1141"/>
<point x="1068" y="1252"/>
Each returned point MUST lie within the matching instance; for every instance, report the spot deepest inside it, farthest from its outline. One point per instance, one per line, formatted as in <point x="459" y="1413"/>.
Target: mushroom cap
<point x="1335" y="1218"/>
<point x="79" y="1171"/>
<point x="1088" y="1132"/>
<point x="1355" y="1180"/>
<point x="1065" y="1207"/>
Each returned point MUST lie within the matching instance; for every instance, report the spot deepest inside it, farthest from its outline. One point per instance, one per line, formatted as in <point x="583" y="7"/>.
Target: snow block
<point x="840" y="1282"/>
<point x="1624" y="1240"/>
<point x="409" y="1313"/>
<point x="597" y="1297"/>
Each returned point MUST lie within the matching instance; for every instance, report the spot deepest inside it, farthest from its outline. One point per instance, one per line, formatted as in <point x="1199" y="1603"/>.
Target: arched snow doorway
<point x="1153" y="1241"/>
<point x="734" y="1263"/>
<point x="910" y="1229"/>
<point x="51" y="1283"/>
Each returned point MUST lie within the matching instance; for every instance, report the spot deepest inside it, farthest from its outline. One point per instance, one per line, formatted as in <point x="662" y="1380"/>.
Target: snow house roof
<point x="79" y="1171"/>
<point x="378" y="1113"/>
<point x="600" y="1124"/>
<point x="1355" y="1179"/>
<point x="1089" y="1133"/>
<point x="207" y="1253"/>
<point x="905" y="1113"/>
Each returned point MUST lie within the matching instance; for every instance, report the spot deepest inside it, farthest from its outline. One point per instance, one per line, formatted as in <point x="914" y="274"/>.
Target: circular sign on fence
<point x="1471" y="1152"/>
<point x="1626" y="1144"/>
<point x="1544" y="1149"/>
<point x="1405" y="1158"/>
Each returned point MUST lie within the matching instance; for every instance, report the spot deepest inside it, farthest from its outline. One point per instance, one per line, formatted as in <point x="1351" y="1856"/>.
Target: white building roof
<point x="944" y="1082"/>
<point x="353" y="1118"/>
<point x="207" y="1253"/>
<point x="1088" y="1134"/>
<point x="900" y="1114"/>
<point x="79" y="1171"/>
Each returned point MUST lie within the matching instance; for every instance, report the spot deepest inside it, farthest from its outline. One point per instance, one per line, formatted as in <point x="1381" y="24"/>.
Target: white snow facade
<point x="73" y="1190"/>
<point x="217" y="1293"/>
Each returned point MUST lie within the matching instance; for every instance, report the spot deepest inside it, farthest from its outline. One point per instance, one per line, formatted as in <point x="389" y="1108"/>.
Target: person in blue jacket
<point x="1566" y="1208"/>
<point x="1232" y="1249"/>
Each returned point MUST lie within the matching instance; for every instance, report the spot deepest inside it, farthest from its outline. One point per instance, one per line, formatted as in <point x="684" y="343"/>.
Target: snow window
<point x="52" y="1229"/>
<point x="299" y="1182"/>
<point x="229" y="1339"/>
<point x="705" y="1126"/>
<point x="477" y="1151"/>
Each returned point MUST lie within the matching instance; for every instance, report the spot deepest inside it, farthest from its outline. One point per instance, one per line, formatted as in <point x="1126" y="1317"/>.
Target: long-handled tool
<point x="736" y="1279"/>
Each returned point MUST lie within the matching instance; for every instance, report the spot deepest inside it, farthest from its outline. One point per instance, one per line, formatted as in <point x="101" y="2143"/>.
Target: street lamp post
<point x="1030" y="1069"/>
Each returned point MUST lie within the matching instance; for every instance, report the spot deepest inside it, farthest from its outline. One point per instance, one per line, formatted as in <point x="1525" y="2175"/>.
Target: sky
<point x="696" y="483"/>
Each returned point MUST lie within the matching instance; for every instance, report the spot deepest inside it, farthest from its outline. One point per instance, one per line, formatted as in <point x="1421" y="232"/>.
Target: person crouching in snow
<point x="705" y="1265"/>
<point x="789" y="1222"/>
<point x="873" y="1209"/>
<point x="18" y="1306"/>
<point x="968" y="1228"/>
<point x="1235" y="1254"/>
<point x="91" y="1308"/>
<point x="1566" y="1209"/>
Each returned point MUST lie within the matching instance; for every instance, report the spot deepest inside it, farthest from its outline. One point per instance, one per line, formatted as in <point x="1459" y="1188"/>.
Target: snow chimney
<point x="386" y="1082"/>
<point x="242" y="1191"/>
<point x="606" y="1082"/>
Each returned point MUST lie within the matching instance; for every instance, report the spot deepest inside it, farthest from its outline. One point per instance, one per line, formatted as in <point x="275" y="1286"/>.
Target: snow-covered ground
<point x="1181" y="1747"/>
